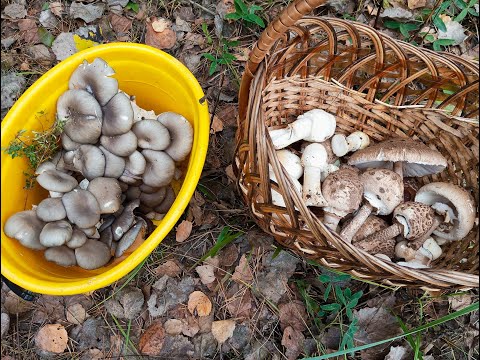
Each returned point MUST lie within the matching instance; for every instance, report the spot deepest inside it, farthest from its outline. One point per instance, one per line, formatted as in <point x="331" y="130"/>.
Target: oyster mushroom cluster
<point x="111" y="178"/>
<point x="365" y="191"/>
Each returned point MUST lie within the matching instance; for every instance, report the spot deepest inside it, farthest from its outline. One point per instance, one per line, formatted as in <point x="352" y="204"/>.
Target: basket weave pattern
<point x="371" y="83"/>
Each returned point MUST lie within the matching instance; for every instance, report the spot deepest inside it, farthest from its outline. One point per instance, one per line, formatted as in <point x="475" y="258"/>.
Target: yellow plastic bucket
<point x="161" y="83"/>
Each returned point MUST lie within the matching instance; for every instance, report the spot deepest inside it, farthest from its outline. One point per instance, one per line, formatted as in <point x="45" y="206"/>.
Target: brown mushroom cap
<point x="61" y="255"/>
<point x="90" y="161"/>
<point x="51" y="209"/>
<point x="343" y="191"/>
<point x="82" y="208"/>
<point x="121" y="145"/>
<point x="117" y="116"/>
<point x="92" y="255"/>
<point x="159" y="170"/>
<point x="417" y="158"/>
<point x="26" y="227"/>
<point x="416" y="218"/>
<point x="383" y="189"/>
<point x="458" y="200"/>
<point x="370" y="226"/>
<point x="54" y="180"/>
<point x="151" y="134"/>
<point x="181" y="135"/>
<point x="56" y="233"/>
<point x="107" y="192"/>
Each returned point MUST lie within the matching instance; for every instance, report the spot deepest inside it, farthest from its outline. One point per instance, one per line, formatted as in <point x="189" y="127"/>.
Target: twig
<point x="202" y="7"/>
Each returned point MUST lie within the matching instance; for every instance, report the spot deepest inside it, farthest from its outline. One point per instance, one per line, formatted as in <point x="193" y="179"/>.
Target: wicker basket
<point x="372" y="83"/>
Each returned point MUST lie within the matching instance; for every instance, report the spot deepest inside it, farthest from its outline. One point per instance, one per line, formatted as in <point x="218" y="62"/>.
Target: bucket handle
<point x="26" y="295"/>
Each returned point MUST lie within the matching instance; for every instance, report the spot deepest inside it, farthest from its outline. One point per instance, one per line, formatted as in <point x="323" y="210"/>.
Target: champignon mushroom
<point x="410" y="158"/>
<point x="56" y="233"/>
<point x="383" y="192"/>
<point x="61" y="255"/>
<point x="92" y="255"/>
<point x="341" y="144"/>
<point x="370" y="226"/>
<point x="54" y="180"/>
<point x="421" y="258"/>
<point x="123" y="222"/>
<point x="117" y="116"/>
<point x="167" y="202"/>
<point x="95" y="78"/>
<point x="82" y="115"/>
<point x="181" y="135"/>
<point x="121" y="145"/>
<point x="78" y="239"/>
<point x="151" y="134"/>
<point x="153" y="199"/>
<point x="51" y="209"/>
<point x="67" y="143"/>
<point x="136" y="233"/>
<point x="159" y="169"/>
<point x="342" y="191"/>
<point x="90" y="161"/>
<point x="314" y="160"/>
<point x="114" y="165"/>
<point x="107" y="192"/>
<point x="82" y="208"/>
<point x="134" y="168"/>
<point x="25" y="227"/>
<point x="315" y="125"/>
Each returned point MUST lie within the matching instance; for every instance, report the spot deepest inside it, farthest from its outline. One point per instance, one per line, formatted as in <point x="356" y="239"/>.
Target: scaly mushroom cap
<point x="114" y="165"/>
<point x="125" y="221"/>
<point x="181" y="135"/>
<point x="457" y="200"/>
<point x="167" y="202"/>
<point x="92" y="255"/>
<point x="67" y="143"/>
<point x="25" y="227"/>
<point x="107" y="192"/>
<point x="61" y="255"/>
<point x="136" y="233"/>
<point x="54" y="180"/>
<point x="83" y="116"/>
<point x="154" y="199"/>
<point x="369" y="227"/>
<point x="418" y="159"/>
<point x="159" y="170"/>
<point x="416" y="218"/>
<point x="151" y="134"/>
<point x="82" y="208"/>
<point x="383" y="189"/>
<point x="78" y="239"/>
<point x="90" y="161"/>
<point x="95" y="78"/>
<point x="51" y="209"/>
<point x="343" y="191"/>
<point x="121" y="145"/>
<point x="117" y="116"/>
<point x="56" y="233"/>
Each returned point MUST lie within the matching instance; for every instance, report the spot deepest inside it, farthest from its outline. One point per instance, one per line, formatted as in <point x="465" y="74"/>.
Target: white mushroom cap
<point x="403" y="251"/>
<point x="323" y="125"/>
<point x="26" y="227"/>
<point x="61" y="255"/>
<point x="181" y="135"/>
<point x="291" y="162"/>
<point x="159" y="170"/>
<point x="151" y="134"/>
<point x="107" y="192"/>
<point x="82" y="208"/>
<point x="117" y="116"/>
<point x="383" y="189"/>
<point x="78" y="239"/>
<point x="51" y="209"/>
<point x="430" y="249"/>
<point x="92" y="255"/>
<point x="95" y="78"/>
<point x="120" y="145"/>
<point x="54" y="180"/>
<point x="451" y="199"/>
<point x="56" y="233"/>
<point x="90" y="161"/>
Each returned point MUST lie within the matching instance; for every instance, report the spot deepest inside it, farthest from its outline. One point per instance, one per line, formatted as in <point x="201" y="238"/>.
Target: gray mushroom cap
<point x="82" y="208"/>
<point x="90" y="161"/>
<point x="106" y="237"/>
<point x="61" y="255"/>
<point x="54" y="180"/>
<point x="136" y="233"/>
<point x="148" y="189"/>
<point x="91" y="232"/>
<point x="153" y="199"/>
<point x="51" y="209"/>
<point x="123" y="222"/>
<point x="181" y="135"/>
<point x="78" y="239"/>
<point x="114" y="165"/>
<point x="95" y="78"/>
<point x="117" y="116"/>
<point x="167" y="202"/>
<point x="133" y="192"/>
<point x="25" y="227"/>
<point x="159" y="170"/>
<point x="121" y="145"/>
<point x="134" y="168"/>
<point x="151" y="134"/>
<point x="47" y="165"/>
<point x="56" y="233"/>
<point x="82" y="115"/>
<point x="107" y="192"/>
<point x="92" y="255"/>
<point x="67" y="143"/>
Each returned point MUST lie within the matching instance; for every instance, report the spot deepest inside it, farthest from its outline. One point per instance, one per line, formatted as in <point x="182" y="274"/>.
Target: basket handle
<point x="289" y="16"/>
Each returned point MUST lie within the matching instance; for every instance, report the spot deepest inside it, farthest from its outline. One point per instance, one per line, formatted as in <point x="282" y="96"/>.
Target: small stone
<point x="121" y="3"/>
<point x="5" y="324"/>
<point x="64" y="46"/>
<point x="47" y="19"/>
<point x="15" y="11"/>
<point x="86" y="12"/>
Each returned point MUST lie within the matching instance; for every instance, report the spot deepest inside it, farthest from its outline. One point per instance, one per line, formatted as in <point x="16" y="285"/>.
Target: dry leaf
<point x="214" y="261"/>
<point x="217" y="125"/>
<point x="56" y="8"/>
<point x="293" y="341"/>
<point x="231" y="176"/>
<point x="160" y="25"/>
<point x="151" y="342"/>
<point x="414" y="4"/>
<point x="161" y="40"/>
<point x="173" y="326"/>
<point x="16" y="305"/>
<point x="24" y="66"/>
<point x="293" y="314"/>
<point x="242" y="54"/>
<point x="199" y="303"/>
<point x="183" y="231"/>
<point x="460" y="302"/>
<point x="223" y="330"/>
<point x="76" y="314"/>
<point x="120" y="24"/>
<point x="239" y="301"/>
<point x="28" y="31"/>
<point x="190" y="326"/>
<point x="169" y="268"/>
<point x="396" y="353"/>
<point x="243" y="273"/>
<point x="206" y="273"/>
<point x="52" y="338"/>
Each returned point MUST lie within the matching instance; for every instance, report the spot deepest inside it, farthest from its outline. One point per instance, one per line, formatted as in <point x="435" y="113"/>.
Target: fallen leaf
<point x="161" y="24"/>
<point x="213" y="261"/>
<point x="222" y="330"/>
<point x="217" y="125"/>
<point x="56" y="8"/>
<point x="169" y="268"/>
<point x="173" y="326"/>
<point x="239" y="301"/>
<point x="24" y="66"/>
<point x="15" y="11"/>
<point x="242" y="54"/>
<point x="86" y="12"/>
<point x="161" y="40"/>
<point x="230" y="174"/>
<point x="206" y="273"/>
<point x="52" y="338"/>
<point x="28" y="31"/>
<point x="414" y="4"/>
<point x="120" y="24"/>
<point x="293" y="341"/>
<point x="293" y="314"/>
<point x="396" y="353"/>
<point x="460" y="302"/>
<point x="183" y="231"/>
<point x="76" y="314"/>
<point x="151" y="341"/>
<point x="190" y="326"/>
<point x="229" y="255"/>
<point x="243" y="273"/>
<point x="5" y="324"/>
<point x="199" y="303"/>
<point x="16" y="305"/>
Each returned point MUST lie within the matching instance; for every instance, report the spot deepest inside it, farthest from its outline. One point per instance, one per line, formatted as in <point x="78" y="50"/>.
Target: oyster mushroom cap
<point x="135" y="233"/>
<point x="90" y="161"/>
<point x="95" y="78"/>
<point x="120" y="145"/>
<point x="148" y="189"/>
<point x="114" y="165"/>
<point x="181" y="135"/>
<point x="167" y="202"/>
<point x="383" y="189"/>
<point x="106" y="236"/>
<point x="67" y="143"/>
<point x="51" y="209"/>
<point x="47" y="165"/>
<point x="54" y="180"/>
<point x="25" y="227"/>
<point x="450" y="198"/>
<point x="82" y="208"/>
<point x="153" y="199"/>
<point x="61" y="255"/>
<point x="78" y="239"/>
<point x="134" y="168"/>
<point x="82" y="115"/>
<point x="117" y="116"/>
<point x="159" y="169"/>
<point x="56" y="233"/>
<point x="91" y="232"/>
<point x="107" y="192"/>
<point x="416" y="219"/>
<point x="133" y="193"/>
<point x="151" y="134"/>
<point x="125" y="220"/>
<point x="92" y="255"/>
<point x="416" y="158"/>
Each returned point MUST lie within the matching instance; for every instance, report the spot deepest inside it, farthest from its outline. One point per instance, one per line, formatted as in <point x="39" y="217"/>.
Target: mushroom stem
<point x="331" y="220"/>
<point x="351" y="229"/>
<point x="390" y="232"/>
<point x="398" y="168"/>
<point x="314" y="159"/>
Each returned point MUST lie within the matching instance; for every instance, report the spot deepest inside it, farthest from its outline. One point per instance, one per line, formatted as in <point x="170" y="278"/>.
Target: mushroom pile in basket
<point x="363" y="187"/>
<point x="111" y="178"/>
